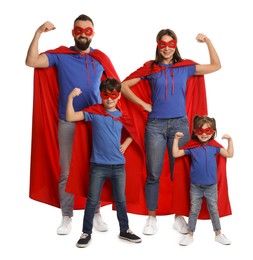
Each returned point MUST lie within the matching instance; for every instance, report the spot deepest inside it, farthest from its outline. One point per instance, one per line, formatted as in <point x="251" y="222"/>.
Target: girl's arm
<point x="229" y="152"/>
<point x="176" y="152"/>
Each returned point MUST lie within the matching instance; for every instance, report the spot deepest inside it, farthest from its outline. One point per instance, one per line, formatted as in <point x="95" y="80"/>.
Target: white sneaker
<point x="186" y="241"/>
<point x="221" y="238"/>
<point x="99" y="224"/>
<point x="151" y="226"/>
<point x="65" y="227"/>
<point x="180" y="225"/>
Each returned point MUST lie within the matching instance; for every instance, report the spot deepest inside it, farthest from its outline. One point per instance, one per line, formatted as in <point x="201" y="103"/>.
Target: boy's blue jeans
<point x="98" y="174"/>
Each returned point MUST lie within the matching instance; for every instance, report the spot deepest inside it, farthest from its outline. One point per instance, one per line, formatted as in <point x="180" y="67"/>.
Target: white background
<point x="125" y="31"/>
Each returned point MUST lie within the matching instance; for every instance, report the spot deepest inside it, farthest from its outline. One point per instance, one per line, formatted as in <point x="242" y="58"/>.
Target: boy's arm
<point x="229" y="152"/>
<point x="176" y="152"/>
<point x="125" y="144"/>
<point x="71" y="114"/>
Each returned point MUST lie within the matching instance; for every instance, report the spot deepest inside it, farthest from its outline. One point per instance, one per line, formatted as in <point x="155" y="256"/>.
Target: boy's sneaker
<point x="221" y="238"/>
<point x="65" y="226"/>
<point x="84" y="240"/>
<point x="186" y="241"/>
<point x="150" y="227"/>
<point x="180" y="225"/>
<point x="130" y="236"/>
<point x="99" y="224"/>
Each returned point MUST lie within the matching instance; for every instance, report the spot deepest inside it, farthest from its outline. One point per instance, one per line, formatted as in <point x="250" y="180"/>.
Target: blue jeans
<point x="159" y="136"/>
<point x="98" y="174"/>
<point x="197" y="192"/>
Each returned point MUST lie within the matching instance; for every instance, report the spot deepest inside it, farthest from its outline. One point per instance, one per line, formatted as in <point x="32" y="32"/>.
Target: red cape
<point x="182" y="184"/>
<point x="196" y="104"/>
<point x="45" y="168"/>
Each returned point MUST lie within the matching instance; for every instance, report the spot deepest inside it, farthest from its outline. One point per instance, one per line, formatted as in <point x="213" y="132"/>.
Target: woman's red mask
<point x="171" y="44"/>
<point x="106" y="95"/>
<point x="79" y="30"/>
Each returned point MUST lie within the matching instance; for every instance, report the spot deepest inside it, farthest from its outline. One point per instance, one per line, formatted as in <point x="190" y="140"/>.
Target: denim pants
<point x="98" y="174"/>
<point x="66" y="136"/>
<point x="197" y="192"/>
<point x="159" y="136"/>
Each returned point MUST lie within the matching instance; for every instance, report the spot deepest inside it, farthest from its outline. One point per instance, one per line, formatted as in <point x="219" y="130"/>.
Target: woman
<point x="172" y="91"/>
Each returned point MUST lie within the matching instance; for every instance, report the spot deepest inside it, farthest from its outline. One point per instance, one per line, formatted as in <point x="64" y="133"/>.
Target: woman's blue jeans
<point x="98" y="174"/>
<point x="159" y="136"/>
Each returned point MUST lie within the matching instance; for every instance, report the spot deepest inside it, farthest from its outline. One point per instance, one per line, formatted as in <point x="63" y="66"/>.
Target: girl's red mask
<point x="201" y="131"/>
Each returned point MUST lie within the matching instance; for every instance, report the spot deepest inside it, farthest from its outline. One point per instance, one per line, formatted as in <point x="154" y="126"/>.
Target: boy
<point x="107" y="159"/>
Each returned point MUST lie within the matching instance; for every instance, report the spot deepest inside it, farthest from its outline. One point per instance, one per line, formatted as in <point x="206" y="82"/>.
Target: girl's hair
<point x="110" y="84"/>
<point x="84" y="17"/>
<point x="199" y="121"/>
<point x="158" y="57"/>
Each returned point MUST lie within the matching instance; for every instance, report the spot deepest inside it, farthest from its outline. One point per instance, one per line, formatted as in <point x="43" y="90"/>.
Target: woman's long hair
<point x="158" y="57"/>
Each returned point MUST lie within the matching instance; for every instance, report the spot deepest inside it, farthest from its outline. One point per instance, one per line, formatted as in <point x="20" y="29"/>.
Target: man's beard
<point x="81" y="45"/>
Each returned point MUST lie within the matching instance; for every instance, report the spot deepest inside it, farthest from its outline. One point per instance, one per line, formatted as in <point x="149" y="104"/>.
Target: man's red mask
<point x="79" y="30"/>
<point x="171" y="44"/>
<point x="113" y="95"/>
<point x="201" y="131"/>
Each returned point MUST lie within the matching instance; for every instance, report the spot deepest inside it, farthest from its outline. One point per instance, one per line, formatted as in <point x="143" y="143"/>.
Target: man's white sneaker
<point x="180" y="225"/>
<point x="65" y="227"/>
<point x="151" y="226"/>
<point x="99" y="224"/>
<point x="221" y="238"/>
<point x="186" y="241"/>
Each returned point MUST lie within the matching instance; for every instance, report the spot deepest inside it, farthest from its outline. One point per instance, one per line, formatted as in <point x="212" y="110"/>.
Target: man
<point x="57" y="72"/>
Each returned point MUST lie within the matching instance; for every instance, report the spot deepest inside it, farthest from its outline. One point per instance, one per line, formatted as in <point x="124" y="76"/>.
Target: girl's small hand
<point x="226" y="136"/>
<point x="179" y="135"/>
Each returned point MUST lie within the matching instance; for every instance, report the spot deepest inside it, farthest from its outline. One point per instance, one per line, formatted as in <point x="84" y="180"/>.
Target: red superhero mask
<point x="79" y="30"/>
<point x="201" y="131"/>
<point x="171" y="44"/>
<point x="113" y="95"/>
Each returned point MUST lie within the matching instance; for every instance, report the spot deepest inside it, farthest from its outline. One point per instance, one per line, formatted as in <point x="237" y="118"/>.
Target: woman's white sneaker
<point x="180" y="225"/>
<point x="150" y="227"/>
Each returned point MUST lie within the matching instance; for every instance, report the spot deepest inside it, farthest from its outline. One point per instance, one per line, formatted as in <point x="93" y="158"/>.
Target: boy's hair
<point x="84" y="17"/>
<point x="199" y="121"/>
<point x="110" y="84"/>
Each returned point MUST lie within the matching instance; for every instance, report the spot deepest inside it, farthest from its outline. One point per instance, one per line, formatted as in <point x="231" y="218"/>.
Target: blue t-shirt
<point x="106" y="138"/>
<point x="166" y="102"/>
<point x="76" y="70"/>
<point x="204" y="165"/>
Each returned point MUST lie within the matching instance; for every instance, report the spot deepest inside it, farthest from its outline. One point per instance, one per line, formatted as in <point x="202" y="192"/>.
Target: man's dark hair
<point x="84" y="17"/>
